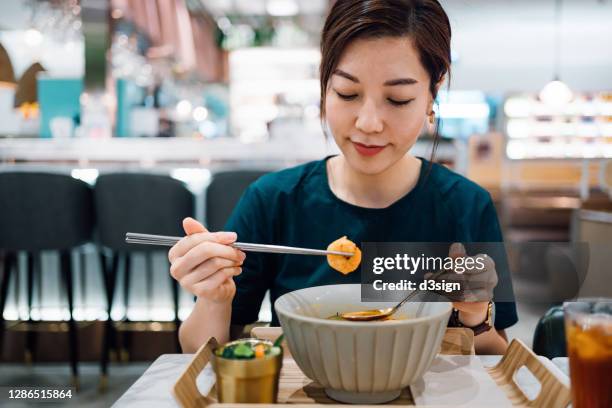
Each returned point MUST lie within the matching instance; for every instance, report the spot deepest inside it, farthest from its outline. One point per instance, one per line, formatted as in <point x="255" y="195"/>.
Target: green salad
<point x="247" y="349"/>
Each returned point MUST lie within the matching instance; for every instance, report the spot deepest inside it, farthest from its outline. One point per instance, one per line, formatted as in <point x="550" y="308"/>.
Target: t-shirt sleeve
<point x="490" y="234"/>
<point x="251" y="223"/>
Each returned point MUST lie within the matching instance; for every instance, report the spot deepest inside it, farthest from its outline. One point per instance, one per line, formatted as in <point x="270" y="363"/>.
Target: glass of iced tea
<point x="588" y="329"/>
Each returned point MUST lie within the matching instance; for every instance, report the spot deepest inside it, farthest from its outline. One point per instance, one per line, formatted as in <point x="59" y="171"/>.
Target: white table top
<point x="152" y="389"/>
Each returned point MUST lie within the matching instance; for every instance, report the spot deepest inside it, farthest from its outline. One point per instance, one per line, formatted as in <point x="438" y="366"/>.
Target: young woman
<point x="382" y="64"/>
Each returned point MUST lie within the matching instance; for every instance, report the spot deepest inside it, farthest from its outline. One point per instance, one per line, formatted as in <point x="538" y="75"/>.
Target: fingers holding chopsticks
<point x="198" y="234"/>
<point x="203" y="261"/>
<point x="201" y="250"/>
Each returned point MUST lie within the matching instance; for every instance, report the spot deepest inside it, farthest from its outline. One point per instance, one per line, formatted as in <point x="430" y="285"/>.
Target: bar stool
<point x="135" y="202"/>
<point x="43" y="212"/>
<point x="223" y="193"/>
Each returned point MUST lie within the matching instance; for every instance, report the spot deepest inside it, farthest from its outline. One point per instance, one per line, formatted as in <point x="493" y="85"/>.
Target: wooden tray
<point x="301" y="392"/>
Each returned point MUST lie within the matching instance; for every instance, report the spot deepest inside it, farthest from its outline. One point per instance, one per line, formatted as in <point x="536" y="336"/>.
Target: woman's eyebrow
<point x="346" y="75"/>
<point x="391" y="82"/>
<point x="401" y="81"/>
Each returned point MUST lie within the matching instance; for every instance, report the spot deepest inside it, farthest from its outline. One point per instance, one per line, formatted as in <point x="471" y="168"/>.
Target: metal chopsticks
<point x="164" y="240"/>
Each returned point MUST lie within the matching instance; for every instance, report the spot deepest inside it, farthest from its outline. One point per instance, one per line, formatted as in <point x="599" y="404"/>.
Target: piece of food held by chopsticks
<point x="344" y="264"/>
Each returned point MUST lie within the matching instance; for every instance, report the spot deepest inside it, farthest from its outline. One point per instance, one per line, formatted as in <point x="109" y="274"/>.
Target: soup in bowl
<point x="366" y="362"/>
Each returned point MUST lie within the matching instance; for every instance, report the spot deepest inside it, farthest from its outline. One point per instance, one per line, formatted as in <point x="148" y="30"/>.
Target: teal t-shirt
<point x="296" y="207"/>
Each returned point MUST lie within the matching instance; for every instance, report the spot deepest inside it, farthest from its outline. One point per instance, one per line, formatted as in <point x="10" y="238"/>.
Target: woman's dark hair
<point x="424" y="21"/>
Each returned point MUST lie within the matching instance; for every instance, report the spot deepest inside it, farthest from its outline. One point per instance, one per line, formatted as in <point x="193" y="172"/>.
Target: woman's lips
<point x="366" y="150"/>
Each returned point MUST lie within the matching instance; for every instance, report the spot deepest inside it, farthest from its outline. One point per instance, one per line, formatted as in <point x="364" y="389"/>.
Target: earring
<point x="432" y="117"/>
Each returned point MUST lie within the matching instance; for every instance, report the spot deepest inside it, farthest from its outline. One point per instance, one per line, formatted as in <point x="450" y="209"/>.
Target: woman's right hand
<point x="204" y="263"/>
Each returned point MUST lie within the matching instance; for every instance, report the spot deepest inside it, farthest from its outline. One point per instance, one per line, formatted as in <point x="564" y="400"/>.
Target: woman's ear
<point x="429" y="108"/>
<point x="432" y="100"/>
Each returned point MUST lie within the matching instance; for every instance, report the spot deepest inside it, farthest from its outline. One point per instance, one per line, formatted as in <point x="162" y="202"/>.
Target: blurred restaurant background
<point x="120" y="115"/>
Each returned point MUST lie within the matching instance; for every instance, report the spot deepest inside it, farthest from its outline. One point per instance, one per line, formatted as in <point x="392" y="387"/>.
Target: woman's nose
<point x="368" y="119"/>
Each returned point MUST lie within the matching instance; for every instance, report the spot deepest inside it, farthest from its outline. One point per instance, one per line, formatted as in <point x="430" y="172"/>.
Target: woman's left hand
<point x="477" y="285"/>
<point x="473" y="304"/>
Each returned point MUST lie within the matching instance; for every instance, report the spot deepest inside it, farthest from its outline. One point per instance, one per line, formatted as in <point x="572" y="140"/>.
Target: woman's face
<point x="377" y="102"/>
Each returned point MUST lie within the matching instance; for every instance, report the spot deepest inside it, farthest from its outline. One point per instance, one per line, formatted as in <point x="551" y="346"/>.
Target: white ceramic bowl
<point x="360" y="362"/>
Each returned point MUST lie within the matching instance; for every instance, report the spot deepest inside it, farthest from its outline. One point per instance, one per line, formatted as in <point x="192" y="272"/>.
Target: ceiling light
<point x="556" y="92"/>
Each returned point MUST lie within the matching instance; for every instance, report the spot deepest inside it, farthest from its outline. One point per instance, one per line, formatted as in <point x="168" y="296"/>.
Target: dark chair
<point x="135" y="202"/>
<point x="42" y="212"/>
<point x="223" y="194"/>
<point x="549" y="335"/>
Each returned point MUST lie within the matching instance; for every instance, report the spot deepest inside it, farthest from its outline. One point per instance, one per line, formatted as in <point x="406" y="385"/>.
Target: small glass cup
<point x="250" y="380"/>
<point x="588" y="329"/>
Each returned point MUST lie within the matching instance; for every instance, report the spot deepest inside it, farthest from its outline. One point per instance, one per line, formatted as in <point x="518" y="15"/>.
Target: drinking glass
<point x="588" y="329"/>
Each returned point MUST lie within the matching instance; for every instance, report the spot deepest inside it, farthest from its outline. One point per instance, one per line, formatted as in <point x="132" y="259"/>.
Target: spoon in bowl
<point x="377" y="314"/>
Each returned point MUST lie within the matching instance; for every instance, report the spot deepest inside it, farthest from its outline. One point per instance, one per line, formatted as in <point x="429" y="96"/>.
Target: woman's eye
<point x="346" y="97"/>
<point x="399" y="103"/>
